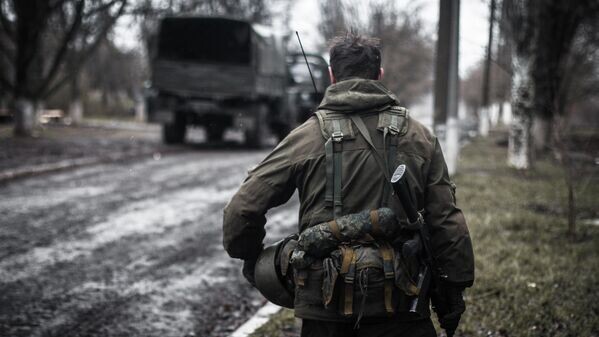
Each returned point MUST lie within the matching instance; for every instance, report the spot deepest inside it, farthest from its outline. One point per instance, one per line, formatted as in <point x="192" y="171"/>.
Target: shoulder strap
<point x="335" y="128"/>
<point x="364" y="132"/>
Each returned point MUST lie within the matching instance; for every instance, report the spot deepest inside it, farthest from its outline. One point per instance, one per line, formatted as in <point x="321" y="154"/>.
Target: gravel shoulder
<point x="58" y="147"/>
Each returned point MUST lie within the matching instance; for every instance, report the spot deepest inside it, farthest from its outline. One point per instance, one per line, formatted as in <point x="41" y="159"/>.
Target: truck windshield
<point x="204" y="40"/>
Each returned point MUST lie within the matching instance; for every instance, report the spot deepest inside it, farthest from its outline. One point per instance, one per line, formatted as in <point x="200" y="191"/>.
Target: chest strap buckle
<point x="337" y="136"/>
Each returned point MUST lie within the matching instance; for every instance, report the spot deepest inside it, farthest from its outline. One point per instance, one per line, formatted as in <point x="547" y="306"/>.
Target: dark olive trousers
<point x="386" y="328"/>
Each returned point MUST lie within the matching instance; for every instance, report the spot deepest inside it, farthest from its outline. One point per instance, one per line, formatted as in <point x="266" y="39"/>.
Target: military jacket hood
<point x="357" y="94"/>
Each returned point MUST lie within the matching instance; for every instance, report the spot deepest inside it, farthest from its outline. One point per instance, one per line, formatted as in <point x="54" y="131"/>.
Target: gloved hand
<point x="248" y="271"/>
<point x="449" y="306"/>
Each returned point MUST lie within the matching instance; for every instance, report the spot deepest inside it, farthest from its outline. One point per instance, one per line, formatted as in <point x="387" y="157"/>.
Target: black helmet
<point x="274" y="284"/>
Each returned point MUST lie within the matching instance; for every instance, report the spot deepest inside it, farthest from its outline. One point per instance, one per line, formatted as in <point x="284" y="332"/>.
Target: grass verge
<point x="533" y="279"/>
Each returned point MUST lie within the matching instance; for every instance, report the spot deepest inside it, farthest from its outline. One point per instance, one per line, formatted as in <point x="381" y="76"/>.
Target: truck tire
<point x="214" y="133"/>
<point x="174" y="133"/>
<point x="258" y="136"/>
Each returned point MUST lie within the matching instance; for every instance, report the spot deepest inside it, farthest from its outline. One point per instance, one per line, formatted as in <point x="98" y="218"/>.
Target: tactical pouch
<point x="369" y="279"/>
<point x="373" y="281"/>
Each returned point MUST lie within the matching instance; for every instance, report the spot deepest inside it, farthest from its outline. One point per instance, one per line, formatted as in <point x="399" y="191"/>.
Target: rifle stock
<point x="428" y="274"/>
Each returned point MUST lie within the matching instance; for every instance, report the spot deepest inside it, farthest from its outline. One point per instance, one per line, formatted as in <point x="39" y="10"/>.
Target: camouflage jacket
<point x="298" y="162"/>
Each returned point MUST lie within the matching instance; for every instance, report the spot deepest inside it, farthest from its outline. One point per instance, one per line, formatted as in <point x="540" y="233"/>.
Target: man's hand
<point x="248" y="271"/>
<point x="449" y="306"/>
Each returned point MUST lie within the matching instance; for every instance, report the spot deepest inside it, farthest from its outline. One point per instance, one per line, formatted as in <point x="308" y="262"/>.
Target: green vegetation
<point x="533" y="279"/>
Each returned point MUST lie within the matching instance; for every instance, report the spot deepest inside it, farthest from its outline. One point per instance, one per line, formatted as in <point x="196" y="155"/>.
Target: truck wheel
<point x="174" y="133"/>
<point x="215" y="133"/>
<point x="258" y="136"/>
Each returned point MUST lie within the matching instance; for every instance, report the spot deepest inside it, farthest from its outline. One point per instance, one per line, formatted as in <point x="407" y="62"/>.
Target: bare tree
<point x="578" y="87"/>
<point x="541" y="33"/>
<point x="333" y="18"/>
<point x="114" y="73"/>
<point x="40" y="38"/>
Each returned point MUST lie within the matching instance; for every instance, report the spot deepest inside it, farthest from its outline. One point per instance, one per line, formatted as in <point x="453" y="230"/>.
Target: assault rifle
<point x="429" y="276"/>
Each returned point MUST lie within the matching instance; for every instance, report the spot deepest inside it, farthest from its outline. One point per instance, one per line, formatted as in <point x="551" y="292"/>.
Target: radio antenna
<point x="307" y="64"/>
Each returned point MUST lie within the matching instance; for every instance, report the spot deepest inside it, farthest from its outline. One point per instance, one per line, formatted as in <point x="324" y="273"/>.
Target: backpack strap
<point x="393" y="122"/>
<point x="335" y="128"/>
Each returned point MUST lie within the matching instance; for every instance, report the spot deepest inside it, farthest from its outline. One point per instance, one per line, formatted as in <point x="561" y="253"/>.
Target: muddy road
<point x="127" y="249"/>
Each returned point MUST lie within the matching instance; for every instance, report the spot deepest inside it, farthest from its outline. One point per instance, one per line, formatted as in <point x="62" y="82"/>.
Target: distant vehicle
<point x="302" y="100"/>
<point x="5" y="116"/>
<point x="218" y="73"/>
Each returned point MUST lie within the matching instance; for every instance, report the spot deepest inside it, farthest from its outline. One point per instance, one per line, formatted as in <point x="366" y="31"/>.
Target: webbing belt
<point x="334" y="226"/>
<point x="387" y="254"/>
<point x="348" y="267"/>
<point x="374" y="220"/>
<point x="333" y="190"/>
<point x="328" y="149"/>
<point x="390" y="159"/>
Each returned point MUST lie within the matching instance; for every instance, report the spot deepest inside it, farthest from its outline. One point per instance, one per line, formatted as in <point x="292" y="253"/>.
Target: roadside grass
<point x="532" y="278"/>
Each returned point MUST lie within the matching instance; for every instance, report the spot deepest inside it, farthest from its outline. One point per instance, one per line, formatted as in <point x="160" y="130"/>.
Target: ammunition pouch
<point x="360" y="277"/>
<point x="359" y="281"/>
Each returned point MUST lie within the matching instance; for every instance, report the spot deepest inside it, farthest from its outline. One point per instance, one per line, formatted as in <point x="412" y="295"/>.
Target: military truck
<point x="218" y="73"/>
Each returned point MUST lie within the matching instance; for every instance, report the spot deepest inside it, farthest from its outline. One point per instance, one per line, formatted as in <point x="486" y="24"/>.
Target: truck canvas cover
<point x="207" y="56"/>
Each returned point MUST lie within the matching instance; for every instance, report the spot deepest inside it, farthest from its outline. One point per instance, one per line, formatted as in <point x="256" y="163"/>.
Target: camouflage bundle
<point x="320" y="240"/>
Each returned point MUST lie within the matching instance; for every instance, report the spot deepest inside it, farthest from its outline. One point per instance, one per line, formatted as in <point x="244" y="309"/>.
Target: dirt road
<point x="127" y="249"/>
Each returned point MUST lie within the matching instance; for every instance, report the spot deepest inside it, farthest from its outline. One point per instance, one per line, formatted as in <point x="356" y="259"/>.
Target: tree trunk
<point x="541" y="130"/>
<point x="500" y="113"/>
<point x="483" y="121"/>
<point x="520" y="140"/>
<point x="571" y="207"/>
<point x="76" y="105"/>
<point x="25" y="112"/>
<point x="140" y="107"/>
<point x="76" y="110"/>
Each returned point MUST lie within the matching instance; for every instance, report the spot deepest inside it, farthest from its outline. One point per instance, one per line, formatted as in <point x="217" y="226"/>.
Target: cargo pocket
<point x="308" y="282"/>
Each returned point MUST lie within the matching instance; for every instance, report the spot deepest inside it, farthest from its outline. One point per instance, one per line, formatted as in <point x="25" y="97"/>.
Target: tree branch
<point x="6" y="24"/>
<point x="64" y="46"/>
<point x="4" y="82"/>
<point x="56" y="5"/>
<point x="7" y="52"/>
<point x="101" y="8"/>
<point x="86" y="53"/>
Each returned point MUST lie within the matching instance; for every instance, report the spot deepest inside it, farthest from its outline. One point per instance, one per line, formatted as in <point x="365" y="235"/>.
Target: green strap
<point x="333" y="189"/>
<point x="337" y="138"/>
<point x="328" y="197"/>
<point x="391" y="155"/>
<point x="386" y="189"/>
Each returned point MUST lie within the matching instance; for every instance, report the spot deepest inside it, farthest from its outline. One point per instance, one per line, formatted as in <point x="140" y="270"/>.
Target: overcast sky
<point x="305" y="17"/>
<point x="474" y="26"/>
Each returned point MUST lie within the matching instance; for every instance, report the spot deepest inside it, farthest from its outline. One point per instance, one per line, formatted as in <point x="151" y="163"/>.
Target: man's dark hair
<point x="353" y="55"/>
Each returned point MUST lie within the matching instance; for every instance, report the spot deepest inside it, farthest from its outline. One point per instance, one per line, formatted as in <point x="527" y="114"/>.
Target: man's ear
<point x="381" y="74"/>
<point x="331" y="76"/>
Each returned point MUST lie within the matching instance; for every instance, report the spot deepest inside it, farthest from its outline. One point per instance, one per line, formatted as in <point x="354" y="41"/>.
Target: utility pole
<point x="483" y="117"/>
<point x="445" y="119"/>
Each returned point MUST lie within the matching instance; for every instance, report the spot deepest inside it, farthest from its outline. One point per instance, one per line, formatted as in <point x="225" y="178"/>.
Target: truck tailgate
<point x="203" y="80"/>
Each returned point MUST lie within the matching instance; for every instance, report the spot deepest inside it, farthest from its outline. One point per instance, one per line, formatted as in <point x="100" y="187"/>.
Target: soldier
<point x="329" y="161"/>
